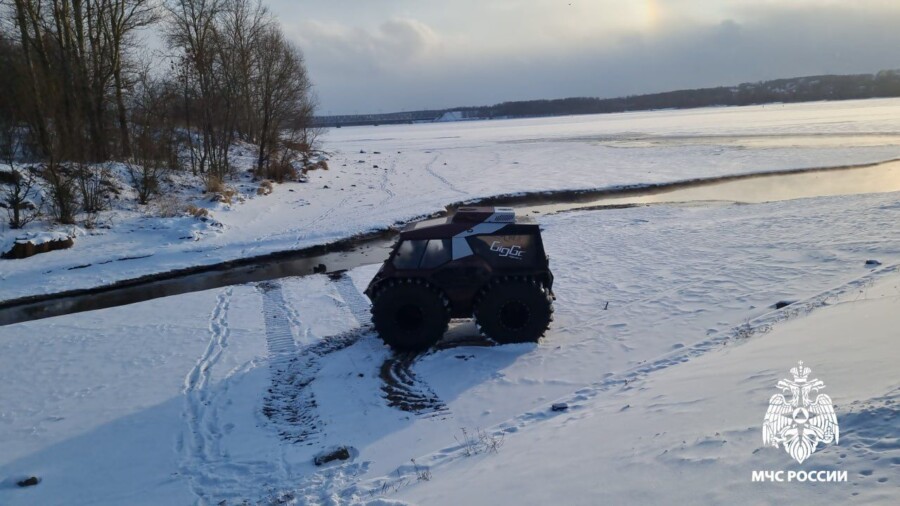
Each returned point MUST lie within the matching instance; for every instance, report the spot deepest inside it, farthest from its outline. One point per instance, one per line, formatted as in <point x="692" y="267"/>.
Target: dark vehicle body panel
<point x="505" y="250"/>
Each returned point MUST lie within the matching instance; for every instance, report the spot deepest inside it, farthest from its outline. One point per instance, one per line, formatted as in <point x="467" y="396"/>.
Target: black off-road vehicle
<point x="481" y="262"/>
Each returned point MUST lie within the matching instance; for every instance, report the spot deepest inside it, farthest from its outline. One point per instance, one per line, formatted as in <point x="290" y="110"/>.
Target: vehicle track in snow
<point x="356" y="302"/>
<point x="404" y="390"/>
<point x="401" y="386"/>
<point x="280" y="341"/>
<point x="290" y="404"/>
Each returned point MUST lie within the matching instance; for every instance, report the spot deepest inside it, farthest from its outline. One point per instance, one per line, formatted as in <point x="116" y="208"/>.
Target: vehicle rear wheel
<point x="410" y="315"/>
<point x="514" y="310"/>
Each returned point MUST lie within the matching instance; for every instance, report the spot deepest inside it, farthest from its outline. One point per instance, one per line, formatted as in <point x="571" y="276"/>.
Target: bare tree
<point x="155" y="135"/>
<point x="243" y="23"/>
<point x="10" y="92"/>
<point x="193" y="30"/>
<point x="26" y="13"/>
<point x="281" y="98"/>
<point x="62" y="186"/>
<point x="240" y="78"/>
<point x="21" y="185"/>
<point x="91" y="179"/>
<point x="17" y="197"/>
<point x="125" y="17"/>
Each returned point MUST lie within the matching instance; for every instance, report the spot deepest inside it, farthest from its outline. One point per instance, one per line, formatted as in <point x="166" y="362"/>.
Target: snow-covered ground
<point x="689" y="432"/>
<point x="665" y="345"/>
<point x="380" y="175"/>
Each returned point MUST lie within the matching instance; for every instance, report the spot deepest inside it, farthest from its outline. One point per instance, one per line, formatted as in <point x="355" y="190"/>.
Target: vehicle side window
<point x="408" y="254"/>
<point x="436" y="254"/>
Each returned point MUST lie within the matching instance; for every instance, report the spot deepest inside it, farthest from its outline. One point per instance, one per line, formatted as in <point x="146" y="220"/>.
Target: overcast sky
<point x="390" y="55"/>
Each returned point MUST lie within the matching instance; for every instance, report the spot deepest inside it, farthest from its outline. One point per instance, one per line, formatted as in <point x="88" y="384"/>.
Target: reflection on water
<point x="882" y="178"/>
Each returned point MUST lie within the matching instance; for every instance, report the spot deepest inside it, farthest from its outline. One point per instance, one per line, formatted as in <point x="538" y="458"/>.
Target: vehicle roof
<point x="470" y="219"/>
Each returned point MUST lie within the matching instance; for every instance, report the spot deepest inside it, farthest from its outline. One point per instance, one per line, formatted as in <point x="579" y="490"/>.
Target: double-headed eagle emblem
<point x="799" y="423"/>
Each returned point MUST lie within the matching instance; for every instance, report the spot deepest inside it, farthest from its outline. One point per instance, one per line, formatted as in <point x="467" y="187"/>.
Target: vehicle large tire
<point x="514" y="310"/>
<point x="410" y="315"/>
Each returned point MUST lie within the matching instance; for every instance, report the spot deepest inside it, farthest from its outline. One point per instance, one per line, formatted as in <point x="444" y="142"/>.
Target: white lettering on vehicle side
<point x="514" y="252"/>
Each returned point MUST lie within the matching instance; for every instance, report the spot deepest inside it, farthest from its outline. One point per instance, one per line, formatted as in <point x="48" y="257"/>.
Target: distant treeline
<point x="800" y="89"/>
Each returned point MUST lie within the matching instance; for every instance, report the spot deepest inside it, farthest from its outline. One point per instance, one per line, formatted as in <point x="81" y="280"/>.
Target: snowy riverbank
<point x="421" y="168"/>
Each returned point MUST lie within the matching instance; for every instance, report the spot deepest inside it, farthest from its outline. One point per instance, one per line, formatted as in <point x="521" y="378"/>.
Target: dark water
<point x="374" y="248"/>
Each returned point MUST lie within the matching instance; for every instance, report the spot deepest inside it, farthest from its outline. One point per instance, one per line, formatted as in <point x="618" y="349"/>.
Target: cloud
<point x="406" y="63"/>
<point x="394" y="45"/>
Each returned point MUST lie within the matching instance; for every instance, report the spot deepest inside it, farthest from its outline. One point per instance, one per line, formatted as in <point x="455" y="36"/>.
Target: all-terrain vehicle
<point x="481" y="262"/>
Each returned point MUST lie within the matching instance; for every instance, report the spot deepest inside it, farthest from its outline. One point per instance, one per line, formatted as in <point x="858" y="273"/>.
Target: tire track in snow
<point x="291" y="405"/>
<point x="327" y="485"/>
<point x="405" y="391"/>
<point x="354" y="299"/>
<point x="279" y="334"/>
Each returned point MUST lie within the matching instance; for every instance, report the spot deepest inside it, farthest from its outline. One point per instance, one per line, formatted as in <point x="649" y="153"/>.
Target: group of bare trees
<point x="70" y="62"/>
<point x="76" y="91"/>
<point x="239" y="78"/>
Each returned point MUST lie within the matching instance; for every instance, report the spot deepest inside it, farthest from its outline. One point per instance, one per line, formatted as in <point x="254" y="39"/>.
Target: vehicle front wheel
<point x="410" y="315"/>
